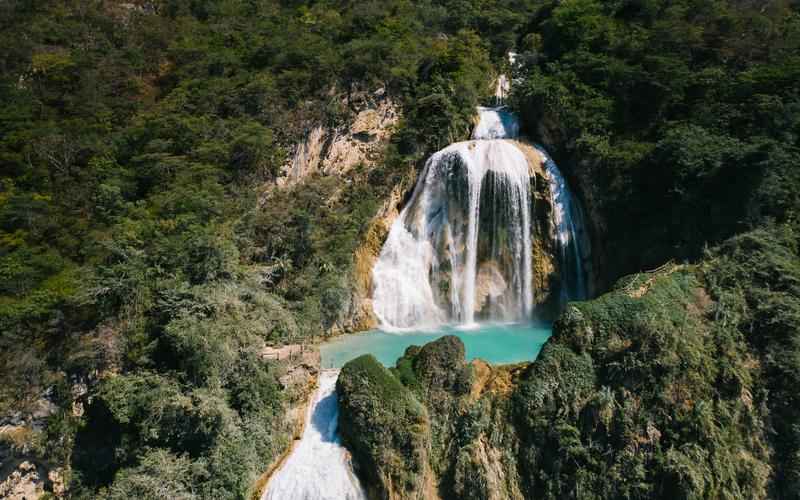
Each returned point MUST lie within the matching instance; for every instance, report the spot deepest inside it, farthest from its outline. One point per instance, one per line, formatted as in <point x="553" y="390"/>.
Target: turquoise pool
<point x="495" y="343"/>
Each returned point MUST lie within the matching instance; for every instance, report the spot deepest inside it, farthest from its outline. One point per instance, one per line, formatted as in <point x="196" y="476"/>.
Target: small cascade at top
<point x="462" y="245"/>
<point x="502" y="87"/>
<point x="495" y="123"/>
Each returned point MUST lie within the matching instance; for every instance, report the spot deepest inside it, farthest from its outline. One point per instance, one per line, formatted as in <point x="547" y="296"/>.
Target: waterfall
<point x="501" y="89"/>
<point x="319" y="467"/>
<point x="462" y="244"/>
<point x="571" y="241"/>
<point x="495" y="123"/>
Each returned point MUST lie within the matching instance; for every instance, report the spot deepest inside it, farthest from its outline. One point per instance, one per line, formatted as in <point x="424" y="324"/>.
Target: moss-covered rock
<point x="657" y="389"/>
<point x="627" y="399"/>
<point x="386" y="428"/>
<point x="462" y="447"/>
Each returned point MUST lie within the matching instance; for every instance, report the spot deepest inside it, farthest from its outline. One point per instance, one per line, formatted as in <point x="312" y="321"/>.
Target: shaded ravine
<point x="571" y="240"/>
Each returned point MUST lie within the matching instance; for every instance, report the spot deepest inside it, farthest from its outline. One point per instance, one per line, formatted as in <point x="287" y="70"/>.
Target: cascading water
<point x="319" y="467"/>
<point x="462" y="244"/>
<point x="460" y="249"/>
<point x="495" y="123"/>
<point x="571" y="241"/>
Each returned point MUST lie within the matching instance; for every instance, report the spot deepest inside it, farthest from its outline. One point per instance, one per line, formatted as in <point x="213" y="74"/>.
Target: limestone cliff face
<point x="337" y="151"/>
<point x="349" y="151"/>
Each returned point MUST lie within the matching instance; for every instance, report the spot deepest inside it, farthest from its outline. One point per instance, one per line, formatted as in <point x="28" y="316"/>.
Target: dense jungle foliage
<point x="141" y="269"/>
<point x="135" y="261"/>
<point x="678" y="120"/>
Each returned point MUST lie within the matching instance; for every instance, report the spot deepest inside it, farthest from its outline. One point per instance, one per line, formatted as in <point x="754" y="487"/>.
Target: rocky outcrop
<point x="24" y="483"/>
<point x="387" y="430"/>
<point x="300" y="366"/>
<point x="460" y="445"/>
<point x="337" y="151"/>
<point x="489" y="284"/>
<point x="584" y="175"/>
<point x="26" y="473"/>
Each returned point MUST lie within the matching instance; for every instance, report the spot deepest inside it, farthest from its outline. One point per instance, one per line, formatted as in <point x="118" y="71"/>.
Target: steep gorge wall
<point x="608" y="258"/>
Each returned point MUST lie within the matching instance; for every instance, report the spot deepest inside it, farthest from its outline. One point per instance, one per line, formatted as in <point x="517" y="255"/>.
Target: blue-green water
<point x="494" y="343"/>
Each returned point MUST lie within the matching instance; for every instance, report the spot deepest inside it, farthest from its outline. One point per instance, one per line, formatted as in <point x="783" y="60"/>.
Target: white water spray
<point x="319" y="467"/>
<point x="571" y="242"/>
<point x="462" y="244"/>
<point x="495" y="123"/>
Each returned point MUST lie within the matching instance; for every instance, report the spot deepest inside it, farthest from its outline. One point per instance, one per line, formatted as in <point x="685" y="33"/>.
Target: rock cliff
<point x="338" y="150"/>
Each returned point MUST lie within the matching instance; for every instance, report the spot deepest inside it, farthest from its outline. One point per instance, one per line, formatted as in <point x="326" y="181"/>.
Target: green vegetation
<point x="675" y="385"/>
<point x="139" y="256"/>
<point x="755" y="281"/>
<point x="641" y="394"/>
<point x="677" y="120"/>
<point x="146" y="256"/>
<point x="457" y="445"/>
<point x="385" y="427"/>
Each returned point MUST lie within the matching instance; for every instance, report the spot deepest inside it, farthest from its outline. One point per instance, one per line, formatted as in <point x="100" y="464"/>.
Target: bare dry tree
<point x="59" y="152"/>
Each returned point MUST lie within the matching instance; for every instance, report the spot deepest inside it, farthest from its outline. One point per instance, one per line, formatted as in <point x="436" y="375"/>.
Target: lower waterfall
<point x="319" y="467"/>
